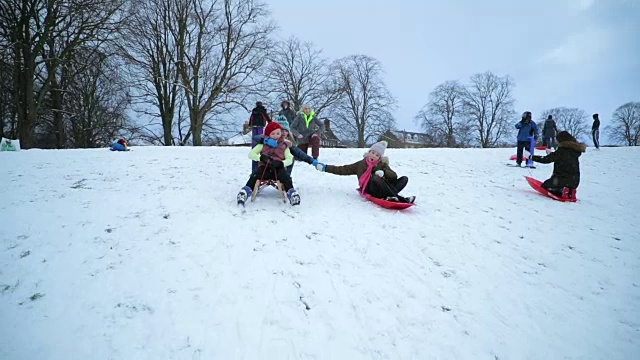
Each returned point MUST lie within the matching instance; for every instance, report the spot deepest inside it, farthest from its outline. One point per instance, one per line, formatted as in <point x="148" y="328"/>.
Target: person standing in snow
<point x="258" y="120"/>
<point x="566" y="165"/>
<point x="375" y="176"/>
<point x="307" y="129"/>
<point x="595" y="131"/>
<point x="526" y="128"/>
<point x="273" y="157"/>
<point x="549" y="132"/>
<point x="295" y="151"/>
<point x="287" y="112"/>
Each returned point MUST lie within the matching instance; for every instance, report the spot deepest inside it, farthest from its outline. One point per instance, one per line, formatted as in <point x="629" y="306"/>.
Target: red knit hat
<point x="270" y="127"/>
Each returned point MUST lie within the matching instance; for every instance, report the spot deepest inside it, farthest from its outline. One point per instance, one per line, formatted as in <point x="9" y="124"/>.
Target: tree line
<point x="80" y="73"/>
<point x="481" y="113"/>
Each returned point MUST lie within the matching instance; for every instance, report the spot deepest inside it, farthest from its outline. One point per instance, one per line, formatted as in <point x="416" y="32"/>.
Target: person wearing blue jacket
<point x="526" y="127"/>
<point x="295" y="151"/>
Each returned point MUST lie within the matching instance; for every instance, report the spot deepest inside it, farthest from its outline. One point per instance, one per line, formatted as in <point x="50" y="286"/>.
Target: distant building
<point x="406" y="139"/>
<point x="329" y="138"/>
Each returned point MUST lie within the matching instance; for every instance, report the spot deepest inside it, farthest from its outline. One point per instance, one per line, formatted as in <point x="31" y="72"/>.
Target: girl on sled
<point x="566" y="167"/>
<point x="375" y="176"/>
<point x="273" y="156"/>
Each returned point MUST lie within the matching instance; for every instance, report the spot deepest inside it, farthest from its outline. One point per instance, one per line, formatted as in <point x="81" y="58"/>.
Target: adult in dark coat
<point x="259" y="116"/>
<point x="595" y="131"/>
<point x="566" y="165"/>
<point x="549" y="132"/>
<point x="287" y="112"/>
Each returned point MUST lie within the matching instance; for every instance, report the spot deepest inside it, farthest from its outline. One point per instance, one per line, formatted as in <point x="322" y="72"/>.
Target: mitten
<point x="321" y="167"/>
<point x="380" y="173"/>
<point x="271" y="142"/>
<point x="265" y="159"/>
<point x="314" y="162"/>
<point x="276" y="164"/>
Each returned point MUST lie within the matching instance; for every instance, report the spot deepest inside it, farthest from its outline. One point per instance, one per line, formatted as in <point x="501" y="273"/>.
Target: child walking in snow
<point x="295" y="151"/>
<point x="375" y="176"/>
<point x="566" y="166"/>
<point x="273" y="156"/>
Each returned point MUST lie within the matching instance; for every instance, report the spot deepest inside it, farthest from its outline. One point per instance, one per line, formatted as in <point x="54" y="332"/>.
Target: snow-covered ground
<point x="145" y="255"/>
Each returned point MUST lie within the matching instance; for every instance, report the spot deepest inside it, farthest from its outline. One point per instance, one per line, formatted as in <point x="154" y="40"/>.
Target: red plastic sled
<point x="386" y="204"/>
<point x="537" y="186"/>
<point x="515" y="157"/>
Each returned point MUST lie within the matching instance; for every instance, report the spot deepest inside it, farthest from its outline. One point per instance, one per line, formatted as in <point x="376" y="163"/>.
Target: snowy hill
<point x="145" y="255"/>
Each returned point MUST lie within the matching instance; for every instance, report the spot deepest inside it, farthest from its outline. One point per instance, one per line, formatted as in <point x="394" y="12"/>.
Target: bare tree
<point x="7" y="103"/>
<point x="488" y="105"/>
<point x="150" y="51"/>
<point x="440" y="117"/>
<point x="572" y="120"/>
<point x="41" y="35"/>
<point x="96" y="102"/>
<point x="625" y="124"/>
<point x="220" y="45"/>
<point x="298" y="72"/>
<point x="364" y="110"/>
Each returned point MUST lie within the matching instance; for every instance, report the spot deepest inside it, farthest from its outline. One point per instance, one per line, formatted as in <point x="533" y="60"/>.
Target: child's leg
<point x="379" y="188"/>
<point x="400" y="183"/>
<point x="284" y="178"/>
<point x="262" y="172"/>
<point x="315" y="146"/>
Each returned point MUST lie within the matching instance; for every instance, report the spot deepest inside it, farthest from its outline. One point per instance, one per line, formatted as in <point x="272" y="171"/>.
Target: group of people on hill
<point x="566" y="170"/>
<point x="276" y="143"/>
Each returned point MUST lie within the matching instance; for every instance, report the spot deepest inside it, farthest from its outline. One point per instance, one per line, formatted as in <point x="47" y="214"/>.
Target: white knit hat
<point x="379" y="147"/>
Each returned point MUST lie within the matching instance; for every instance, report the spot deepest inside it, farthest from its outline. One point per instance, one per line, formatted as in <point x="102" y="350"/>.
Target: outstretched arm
<point x="545" y="159"/>
<point x="301" y="155"/>
<point x="351" y="169"/>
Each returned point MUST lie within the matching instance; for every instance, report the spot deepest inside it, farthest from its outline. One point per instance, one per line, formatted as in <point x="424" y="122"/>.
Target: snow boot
<point x="293" y="196"/>
<point x="243" y="195"/>
<point x="410" y="199"/>
<point x="392" y="198"/>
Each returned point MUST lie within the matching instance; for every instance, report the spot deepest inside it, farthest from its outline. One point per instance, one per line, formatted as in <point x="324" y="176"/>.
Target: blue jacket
<point x="295" y="151"/>
<point x="117" y="147"/>
<point x="526" y="129"/>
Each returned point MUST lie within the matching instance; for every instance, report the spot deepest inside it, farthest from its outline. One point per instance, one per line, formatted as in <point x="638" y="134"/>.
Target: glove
<point x="314" y="162"/>
<point x="271" y="142"/>
<point x="380" y="173"/>
<point x="321" y="167"/>
<point x="265" y="159"/>
<point x="276" y="164"/>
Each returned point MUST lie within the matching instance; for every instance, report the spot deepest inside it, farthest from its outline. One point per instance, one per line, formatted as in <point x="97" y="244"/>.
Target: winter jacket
<point x="549" y="129"/>
<point x="289" y="114"/>
<point x="526" y="130"/>
<point x="259" y="117"/>
<point x="281" y="153"/>
<point x="306" y="126"/>
<point x="295" y="151"/>
<point x="359" y="167"/>
<point x="596" y="125"/>
<point x="566" y="166"/>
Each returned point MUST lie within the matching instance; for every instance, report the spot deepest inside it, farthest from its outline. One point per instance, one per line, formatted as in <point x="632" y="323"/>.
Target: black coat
<point x="259" y="117"/>
<point x="566" y="166"/>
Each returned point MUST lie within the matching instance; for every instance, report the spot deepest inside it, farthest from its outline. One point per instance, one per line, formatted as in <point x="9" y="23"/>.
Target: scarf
<point x="364" y="179"/>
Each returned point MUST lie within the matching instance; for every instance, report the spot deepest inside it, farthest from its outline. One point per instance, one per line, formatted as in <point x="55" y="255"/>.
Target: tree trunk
<point x="167" y="120"/>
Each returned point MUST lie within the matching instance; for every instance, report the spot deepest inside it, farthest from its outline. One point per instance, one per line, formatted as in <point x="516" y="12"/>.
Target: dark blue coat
<point x="526" y="130"/>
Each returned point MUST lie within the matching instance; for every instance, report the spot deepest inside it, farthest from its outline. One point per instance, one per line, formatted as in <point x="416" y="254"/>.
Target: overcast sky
<point x="574" y="53"/>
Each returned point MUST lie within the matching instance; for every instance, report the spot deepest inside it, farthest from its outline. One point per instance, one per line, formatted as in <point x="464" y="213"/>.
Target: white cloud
<point x="583" y="48"/>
